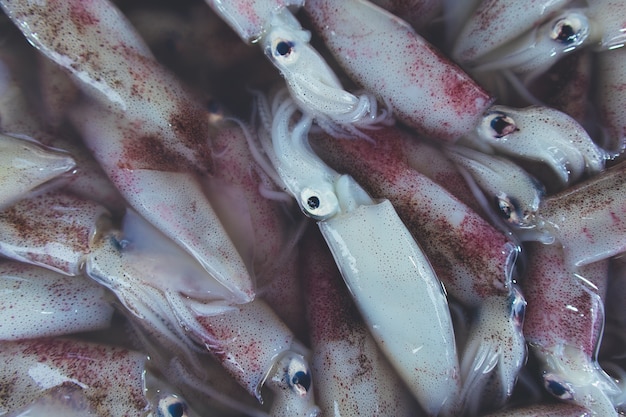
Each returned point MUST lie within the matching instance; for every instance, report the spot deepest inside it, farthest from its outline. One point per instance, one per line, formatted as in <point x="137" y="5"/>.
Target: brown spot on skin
<point x="191" y="126"/>
<point x="149" y="152"/>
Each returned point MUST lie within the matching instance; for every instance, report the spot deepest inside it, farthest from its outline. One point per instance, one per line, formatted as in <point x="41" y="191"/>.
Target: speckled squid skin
<point x="35" y="368"/>
<point x="157" y="137"/>
<point x="54" y="230"/>
<point x="426" y="90"/>
<point x="473" y="259"/>
<point x="545" y="410"/>
<point x="352" y="376"/>
<point x="432" y="162"/>
<point x="26" y="165"/>
<point x="608" y="16"/>
<point x="390" y="277"/>
<point x="564" y="321"/>
<point x="250" y="19"/>
<point x="496" y="22"/>
<point x="418" y="13"/>
<point x="250" y="341"/>
<point x="261" y="228"/>
<point x="588" y="219"/>
<point x="36" y="302"/>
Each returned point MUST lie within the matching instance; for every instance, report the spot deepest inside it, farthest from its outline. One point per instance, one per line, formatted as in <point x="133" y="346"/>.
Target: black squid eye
<point x="313" y="202"/>
<point x="501" y="125"/>
<point x="299" y="377"/>
<point x="570" y="30"/>
<point x="558" y="389"/>
<point x="171" y="406"/>
<point x="284" y="48"/>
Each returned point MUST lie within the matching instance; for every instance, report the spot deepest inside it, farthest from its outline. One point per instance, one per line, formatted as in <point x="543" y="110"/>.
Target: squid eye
<point x="557" y="388"/>
<point x="171" y="406"/>
<point x="509" y="209"/>
<point x="570" y="30"/>
<point x="299" y="377"/>
<point x="284" y="50"/>
<point x="499" y="125"/>
<point x="318" y="204"/>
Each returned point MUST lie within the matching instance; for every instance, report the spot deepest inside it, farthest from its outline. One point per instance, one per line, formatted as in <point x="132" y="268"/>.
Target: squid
<point x="539" y="33"/>
<point x="165" y="290"/>
<point x="65" y="377"/>
<point x="565" y="146"/>
<point x="437" y="99"/>
<point x="564" y="322"/>
<point x="382" y="265"/>
<point x="352" y="376"/>
<point x="472" y="259"/>
<point x="157" y="138"/>
<point x="311" y="81"/>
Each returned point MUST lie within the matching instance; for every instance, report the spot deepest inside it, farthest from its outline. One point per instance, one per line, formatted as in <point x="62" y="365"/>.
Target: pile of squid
<point x="390" y="208"/>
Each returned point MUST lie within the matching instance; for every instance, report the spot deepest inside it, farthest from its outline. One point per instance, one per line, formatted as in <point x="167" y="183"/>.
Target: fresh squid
<point x="436" y="98"/>
<point x="64" y="377"/>
<point x="385" y="270"/>
<point x="564" y="322"/>
<point x="537" y="35"/>
<point x="472" y="259"/>
<point x="156" y="137"/>
<point x="352" y="376"/>
<point x="539" y="134"/>
<point x="311" y="81"/>
<point x="513" y="193"/>
<point x="165" y="290"/>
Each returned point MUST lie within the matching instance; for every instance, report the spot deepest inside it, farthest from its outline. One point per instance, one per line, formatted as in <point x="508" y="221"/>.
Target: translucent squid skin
<point x="50" y="304"/>
<point x="256" y="348"/>
<point x="352" y="376"/>
<point x="250" y="19"/>
<point x="588" y="218"/>
<point x="563" y="324"/>
<point x="54" y="230"/>
<point x="483" y="32"/>
<point x="160" y="144"/>
<point x="449" y="230"/>
<point x="73" y="378"/>
<point x="426" y="90"/>
<point x="418" y="13"/>
<point x="258" y="221"/>
<point x="25" y="165"/>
